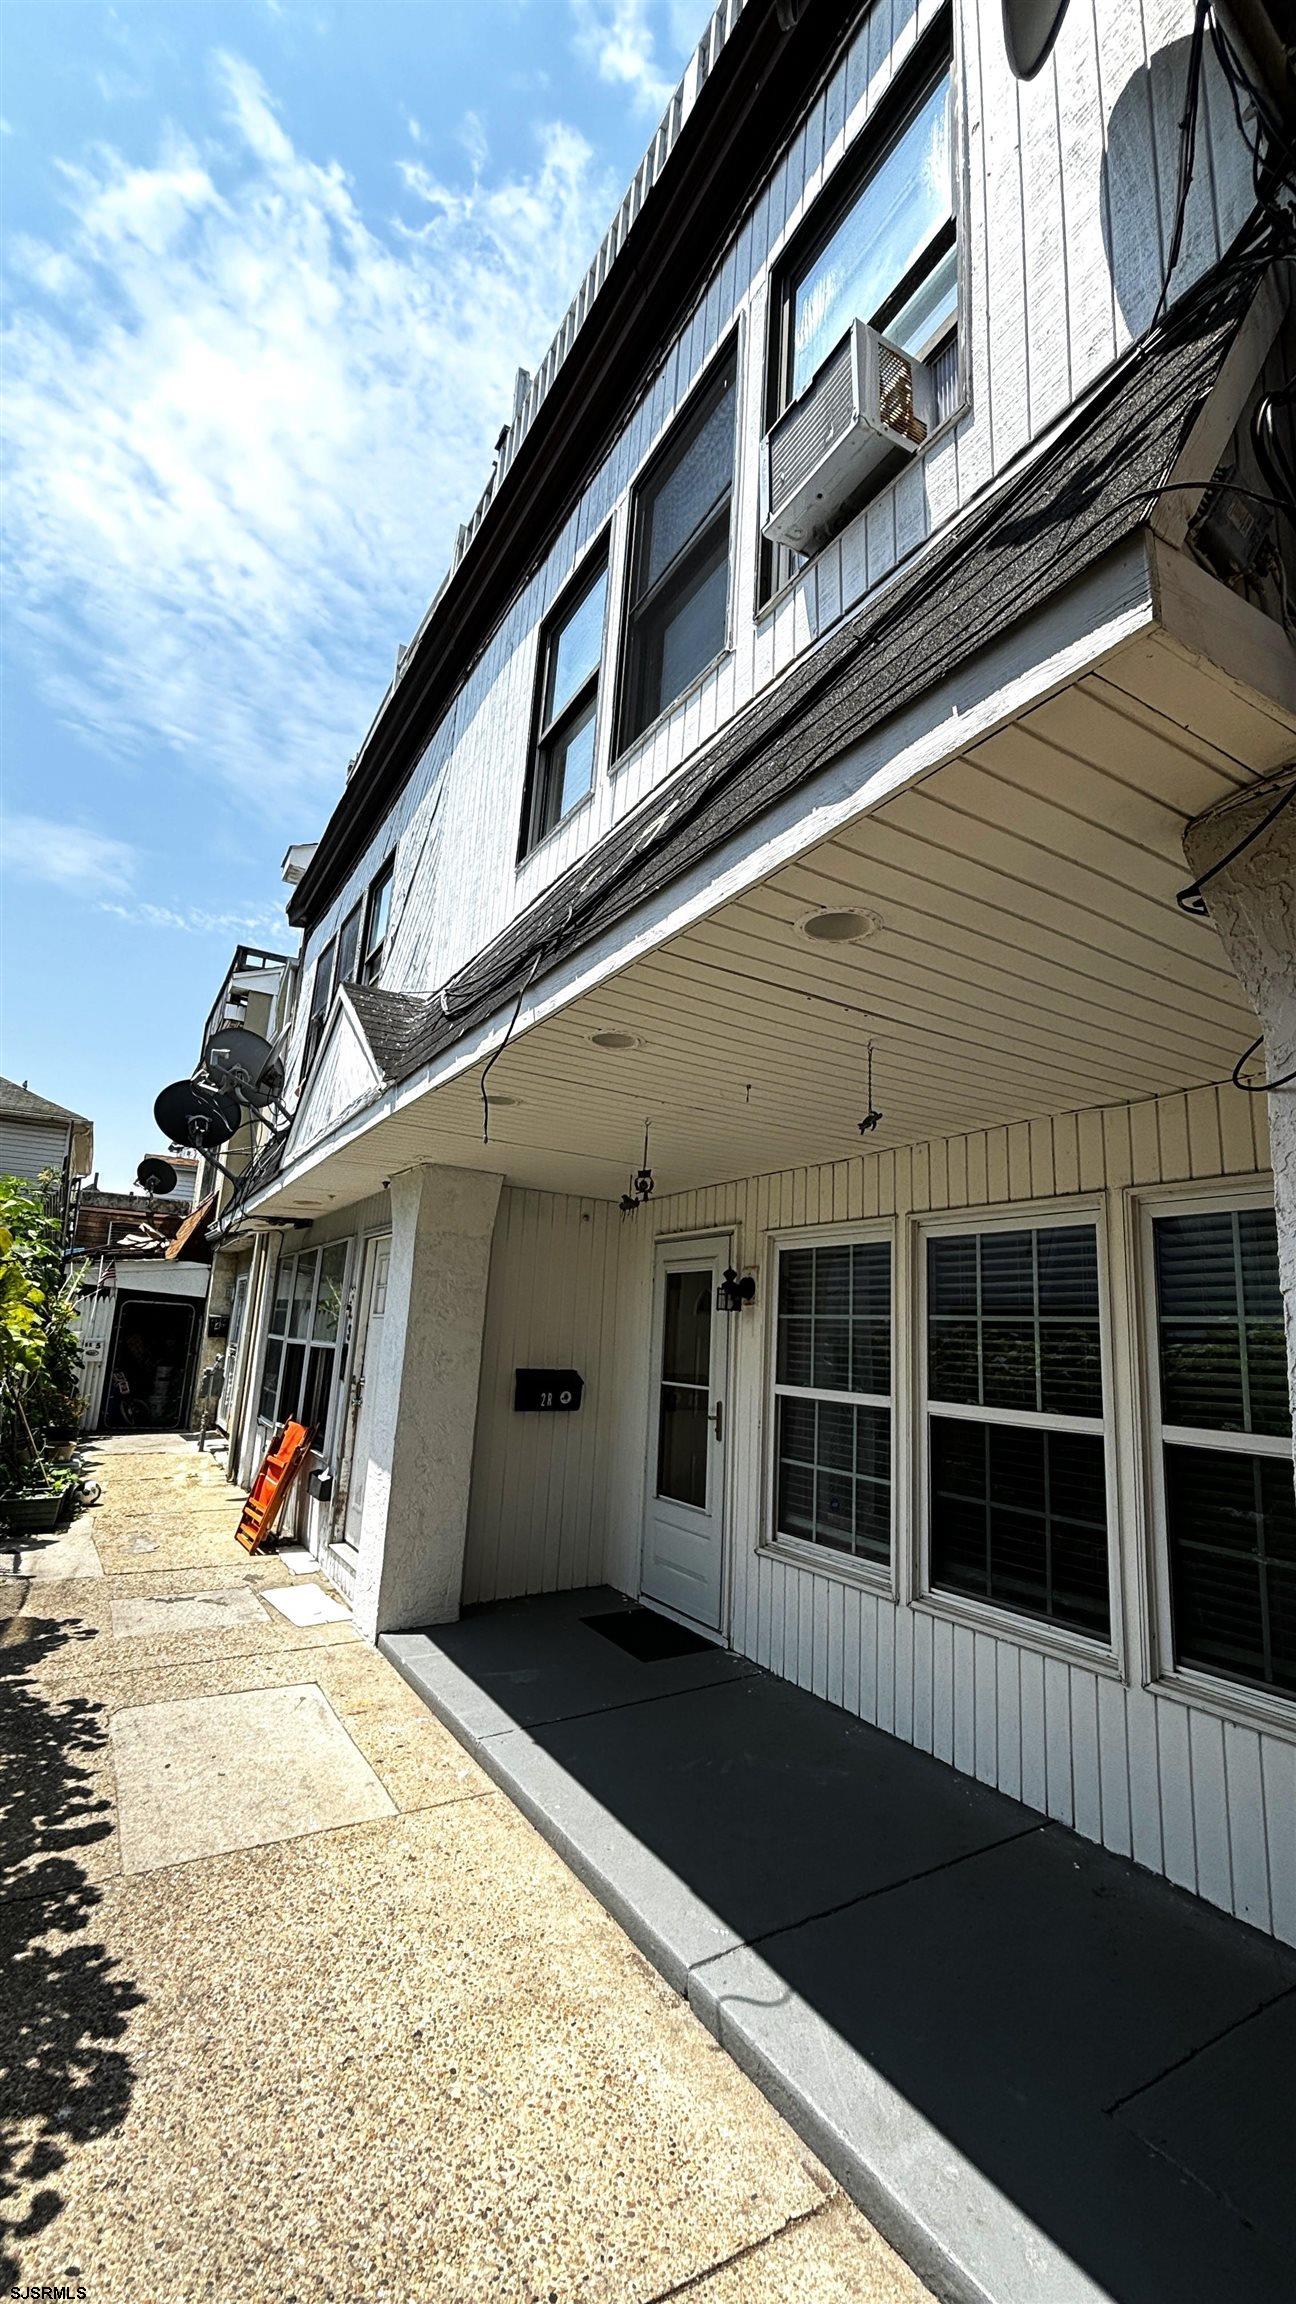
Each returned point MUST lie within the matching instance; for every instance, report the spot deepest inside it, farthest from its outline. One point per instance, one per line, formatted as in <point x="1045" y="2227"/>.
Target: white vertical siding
<point x="1067" y="188"/>
<point x="1210" y="1802"/>
<point x="538" y="1517"/>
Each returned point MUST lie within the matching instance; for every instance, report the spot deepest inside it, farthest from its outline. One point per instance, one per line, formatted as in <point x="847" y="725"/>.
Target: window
<point x="321" y="994"/>
<point x="304" y="1336"/>
<point x="571" y="657"/>
<point x="678" y="606"/>
<point x="1016" y="1461"/>
<point x="832" y="1398"/>
<point x="377" y="917"/>
<point x="348" y="946"/>
<point x="1224" y="1442"/>
<point x="885" y="252"/>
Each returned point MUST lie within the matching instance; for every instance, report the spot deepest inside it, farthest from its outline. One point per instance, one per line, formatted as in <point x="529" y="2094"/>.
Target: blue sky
<point x="269" y="269"/>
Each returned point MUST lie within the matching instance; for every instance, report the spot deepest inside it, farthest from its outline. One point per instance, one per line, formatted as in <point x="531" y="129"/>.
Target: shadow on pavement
<point x="64" y="2074"/>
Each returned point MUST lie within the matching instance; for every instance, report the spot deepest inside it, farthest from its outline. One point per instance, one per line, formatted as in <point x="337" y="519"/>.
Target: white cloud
<point x="71" y="857"/>
<point x="616" y="37"/>
<point x="196" y="920"/>
<point x="243" y="426"/>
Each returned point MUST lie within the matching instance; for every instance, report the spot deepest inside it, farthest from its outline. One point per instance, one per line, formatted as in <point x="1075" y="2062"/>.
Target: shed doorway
<point x="150" y="1364"/>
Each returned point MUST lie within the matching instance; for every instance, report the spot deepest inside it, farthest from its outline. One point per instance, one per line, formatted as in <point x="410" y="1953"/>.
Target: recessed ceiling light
<point x="617" y="1041"/>
<point x="838" y="927"/>
<point x="499" y="1098"/>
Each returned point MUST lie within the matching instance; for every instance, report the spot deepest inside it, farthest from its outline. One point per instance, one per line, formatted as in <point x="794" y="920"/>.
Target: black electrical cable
<point x="491" y="1061"/>
<point x="1258" y="1087"/>
<point x="1187" y="151"/>
<point x="1190" y="899"/>
<point x="1271" y="450"/>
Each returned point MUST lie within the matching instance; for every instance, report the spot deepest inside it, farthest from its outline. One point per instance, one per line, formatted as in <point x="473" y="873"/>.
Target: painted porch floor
<point x="1046" y="2075"/>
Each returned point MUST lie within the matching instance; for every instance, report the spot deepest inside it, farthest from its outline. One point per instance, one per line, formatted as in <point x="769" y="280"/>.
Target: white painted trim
<point x="1228" y="1699"/>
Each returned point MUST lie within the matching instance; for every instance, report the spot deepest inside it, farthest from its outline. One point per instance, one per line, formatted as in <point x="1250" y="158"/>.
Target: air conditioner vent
<point x="866" y="406"/>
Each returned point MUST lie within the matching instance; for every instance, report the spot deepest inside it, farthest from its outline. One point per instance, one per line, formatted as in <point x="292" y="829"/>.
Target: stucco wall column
<point x="1252" y="902"/>
<point x="415" y="1519"/>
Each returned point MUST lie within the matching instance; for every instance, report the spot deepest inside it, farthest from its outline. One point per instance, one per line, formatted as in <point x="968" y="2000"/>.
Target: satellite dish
<point x="157" y="1177"/>
<point x="243" y="1064"/>
<point x="189" y="1113"/>
<point x="1030" y="29"/>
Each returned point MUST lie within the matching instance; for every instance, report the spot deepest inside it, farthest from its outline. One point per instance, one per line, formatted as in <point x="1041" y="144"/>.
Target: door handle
<point x="718" y="1415"/>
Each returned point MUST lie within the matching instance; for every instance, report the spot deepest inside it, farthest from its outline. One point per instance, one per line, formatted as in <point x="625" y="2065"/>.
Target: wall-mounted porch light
<point x="735" y="1291"/>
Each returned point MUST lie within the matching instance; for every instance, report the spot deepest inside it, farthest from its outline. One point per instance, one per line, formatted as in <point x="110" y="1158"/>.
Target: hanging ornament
<point x="641" y="1184"/>
<point x="872" y="1116"/>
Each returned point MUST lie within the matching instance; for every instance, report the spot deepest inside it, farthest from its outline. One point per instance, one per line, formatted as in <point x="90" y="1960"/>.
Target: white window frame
<point x="340" y="1348"/>
<point x="876" y="1575"/>
<point x="1232" y="1699"/>
<point x="1035" y="1632"/>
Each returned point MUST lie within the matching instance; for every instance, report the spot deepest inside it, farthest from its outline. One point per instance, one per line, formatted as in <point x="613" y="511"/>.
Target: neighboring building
<point x="254" y="996"/>
<point x="112" y="1219"/>
<point x="38" y="1138"/>
<point x="812" y="794"/>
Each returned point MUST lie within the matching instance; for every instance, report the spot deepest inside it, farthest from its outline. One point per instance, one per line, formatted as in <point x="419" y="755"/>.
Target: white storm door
<point x="373" y="1306"/>
<point x="683" y="1543"/>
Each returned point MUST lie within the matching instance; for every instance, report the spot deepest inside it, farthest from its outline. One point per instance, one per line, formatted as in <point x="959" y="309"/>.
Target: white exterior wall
<point x="1068" y="186"/>
<point x="1196" y="1791"/>
<point x="539" y="1518"/>
<point x="29" y="1146"/>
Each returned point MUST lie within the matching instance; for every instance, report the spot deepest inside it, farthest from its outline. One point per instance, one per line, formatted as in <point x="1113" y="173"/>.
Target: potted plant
<point x="39" y="1361"/>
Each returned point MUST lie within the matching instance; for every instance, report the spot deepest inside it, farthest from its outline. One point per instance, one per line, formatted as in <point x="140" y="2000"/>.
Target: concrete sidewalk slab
<point x="62" y="1558"/>
<point x="205" y="1775"/>
<point x="304" y="1604"/>
<point x="153" y="1615"/>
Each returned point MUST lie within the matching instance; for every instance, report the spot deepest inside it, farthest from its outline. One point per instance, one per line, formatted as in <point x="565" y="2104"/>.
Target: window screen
<point x="832" y="1397"/>
<point x="1017" y="1474"/>
<point x="1230" y="1510"/>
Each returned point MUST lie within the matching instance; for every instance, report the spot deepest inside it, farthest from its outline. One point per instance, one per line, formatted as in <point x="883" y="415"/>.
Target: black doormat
<point x="645" y="1635"/>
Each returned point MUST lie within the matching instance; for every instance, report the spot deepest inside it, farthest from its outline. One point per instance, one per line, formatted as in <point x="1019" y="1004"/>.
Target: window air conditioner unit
<point x="868" y="402"/>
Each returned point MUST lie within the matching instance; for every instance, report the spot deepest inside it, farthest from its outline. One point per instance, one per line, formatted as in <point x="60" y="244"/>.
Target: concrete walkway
<point x="297" y="2006"/>
<point x="1049" y="2077"/>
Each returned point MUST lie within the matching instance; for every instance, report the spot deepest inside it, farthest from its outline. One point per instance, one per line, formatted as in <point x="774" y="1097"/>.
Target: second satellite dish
<point x="189" y="1113"/>
<point x="156" y="1177"/>
<point x="1030" y="29"/>
<point x="244" y="1064"/>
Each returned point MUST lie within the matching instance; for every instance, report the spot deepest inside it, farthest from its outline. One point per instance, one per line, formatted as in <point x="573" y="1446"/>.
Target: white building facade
<point x="942" y="1362"/>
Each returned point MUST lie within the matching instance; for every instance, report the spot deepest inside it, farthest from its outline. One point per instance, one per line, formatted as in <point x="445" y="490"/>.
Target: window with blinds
<point x="832" y="1398"/>
<point x="1016" y="1449"/>
<point x="1229" y="1507"/>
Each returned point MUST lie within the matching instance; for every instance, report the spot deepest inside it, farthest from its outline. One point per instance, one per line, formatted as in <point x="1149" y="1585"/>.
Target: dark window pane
<point x="1008" y="1273"/>
<point x="681" y="630"/>
<point x="1019" y="1517"/>
<point x="1231" y="1535"/>
<point x="795" y="1351"/>
<point x="795" y="1500"/>
<point x="796" y="1280"/>
<point x="832" y="1355"/>
<point x="871" y="1356"/>
<point x="317" y="1384"/>
<point x="1008" y="1364"/>
<point x="291" y="1384"/>
<point x="688" y="491"/>
<point x="953" y="1360"/>
<point x="686" y="1330"/>
<point x="833" y="1476"/>
<point x="952" y="1276"/>
<point x="1068" y="1269"/>
<point x="566" y="769"/>
<point x="575" y="649"/>
<point x="270" y="1383"/>
<point x="836" y="1443"/>
<point x="1220" y="1332"/>
<point x="1070" y="1368"/>
<point x="797" y="1430"/>
<point x="871" y="1280"/>
<point x="348" y="947"/>
<point x="832" y="1296"/>
<point x="683" y="1431"/>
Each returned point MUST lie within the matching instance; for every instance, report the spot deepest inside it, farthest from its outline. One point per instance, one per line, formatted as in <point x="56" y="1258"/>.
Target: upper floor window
<point x="1226" y="1506"/>
<point x="882" y="247"/>
<point x="377" y="919"/>
<point x="321" y="994"/>
<point x="889" y="259"/>
<point x="348" y="947"/>
<point x="571" y="659"/>
<point x="678" y="605"/>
